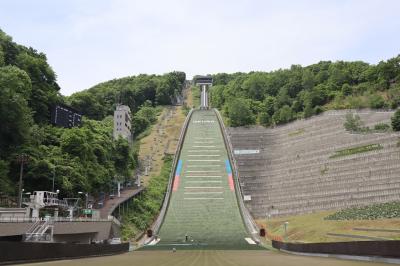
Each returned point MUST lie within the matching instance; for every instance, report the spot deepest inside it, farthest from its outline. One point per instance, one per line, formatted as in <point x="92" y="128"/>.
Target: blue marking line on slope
<point x="178" y="168"/>
<point x="228" y="167"/>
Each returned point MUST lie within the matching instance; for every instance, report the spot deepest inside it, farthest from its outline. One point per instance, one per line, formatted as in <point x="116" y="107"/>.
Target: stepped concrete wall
<point x="294" y="174"/>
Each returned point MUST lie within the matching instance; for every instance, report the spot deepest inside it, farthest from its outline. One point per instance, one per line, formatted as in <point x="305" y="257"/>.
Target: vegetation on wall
<point x="281" y="96"/>
<point x="354" y="124"/>
<point x="355" y="150"/>
<point x="371" y="212"/>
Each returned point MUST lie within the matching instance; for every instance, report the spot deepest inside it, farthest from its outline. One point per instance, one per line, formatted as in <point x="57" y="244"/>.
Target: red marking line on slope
<point x="231" y="185"/>
<point x="176" y="183"/>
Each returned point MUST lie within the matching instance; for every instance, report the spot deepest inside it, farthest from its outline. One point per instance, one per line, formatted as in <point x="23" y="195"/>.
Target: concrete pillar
<point x="35" y="213"/>
<point x="119" y="189"/>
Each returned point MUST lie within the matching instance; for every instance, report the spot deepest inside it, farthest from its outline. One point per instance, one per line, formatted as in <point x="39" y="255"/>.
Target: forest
<point x="83" y="158"/>
<point x="278" y="97"/>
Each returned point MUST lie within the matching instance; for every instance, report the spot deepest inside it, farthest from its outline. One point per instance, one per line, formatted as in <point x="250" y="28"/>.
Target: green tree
<point x="283" y="115"/>
<point x="346" y="89"/>
<point x="5" y="183"/>
<point x="239" y="113"/>
<point x="254" y="86"/>
<point x="269" y="104"/>
<point x="376" y="101"/>
<point x="308" y="110"/>
<point x="15" y="120"/>
<point x="265" y="119"/>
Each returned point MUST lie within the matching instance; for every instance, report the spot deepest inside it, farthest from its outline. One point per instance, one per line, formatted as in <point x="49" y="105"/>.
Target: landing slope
<point x="203" y="209"/>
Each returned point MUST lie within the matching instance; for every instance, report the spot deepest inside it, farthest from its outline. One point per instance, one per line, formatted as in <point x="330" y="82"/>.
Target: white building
<point x="122" y="122"/>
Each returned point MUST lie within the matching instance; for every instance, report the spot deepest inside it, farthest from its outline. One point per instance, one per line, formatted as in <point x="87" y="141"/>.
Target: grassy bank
<point x="315" y="228"/>
<point x="146" y="207"/>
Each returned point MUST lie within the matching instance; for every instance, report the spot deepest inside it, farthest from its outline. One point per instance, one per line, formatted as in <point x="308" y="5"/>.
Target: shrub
<point x="382" y="127"/>
<point x="396" y="121"/>
<point x="353" y="122"/>
<point x="371" y="212"/>
<point x="376" y="101"/>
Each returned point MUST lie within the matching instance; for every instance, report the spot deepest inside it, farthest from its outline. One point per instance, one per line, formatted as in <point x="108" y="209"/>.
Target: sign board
<point x="246" y="197"/>
<point x="241" y="152"/>
<point x="87" y="211"/>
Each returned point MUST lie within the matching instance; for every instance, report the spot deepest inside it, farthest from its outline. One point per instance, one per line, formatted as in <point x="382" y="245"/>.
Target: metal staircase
<point x="40" y="231"/>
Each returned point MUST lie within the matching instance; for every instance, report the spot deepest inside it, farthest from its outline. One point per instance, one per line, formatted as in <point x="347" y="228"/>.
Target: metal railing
<point x="58" y="219"/>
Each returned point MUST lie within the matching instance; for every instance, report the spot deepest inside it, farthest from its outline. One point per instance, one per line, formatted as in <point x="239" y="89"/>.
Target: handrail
<point x="160" y="218"/>
<point x="246" y="216"/>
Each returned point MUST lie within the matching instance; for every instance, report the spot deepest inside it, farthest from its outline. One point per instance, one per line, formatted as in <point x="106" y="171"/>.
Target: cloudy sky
<point x="90" y="41"/>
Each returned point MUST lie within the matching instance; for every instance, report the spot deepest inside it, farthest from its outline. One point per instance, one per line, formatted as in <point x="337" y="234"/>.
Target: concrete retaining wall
<point x="22" y="252"/>
<point x="389" y="249"/>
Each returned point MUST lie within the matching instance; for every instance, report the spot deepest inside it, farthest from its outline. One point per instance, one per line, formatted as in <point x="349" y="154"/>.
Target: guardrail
<point x="246" y="216"/>
<point x="160" y="218"/>
<point x="58" y="219"/>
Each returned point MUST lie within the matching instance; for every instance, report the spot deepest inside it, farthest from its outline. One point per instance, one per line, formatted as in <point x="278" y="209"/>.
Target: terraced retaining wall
<point x="292" y="169"/>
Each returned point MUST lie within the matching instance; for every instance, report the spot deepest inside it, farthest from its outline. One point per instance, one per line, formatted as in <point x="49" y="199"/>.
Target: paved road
<point x="111" y="204"/>
<point x="208" y="258"/>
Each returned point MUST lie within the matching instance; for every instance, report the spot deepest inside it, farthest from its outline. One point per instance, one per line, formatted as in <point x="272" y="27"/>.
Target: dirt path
<point x="162" y="140"/>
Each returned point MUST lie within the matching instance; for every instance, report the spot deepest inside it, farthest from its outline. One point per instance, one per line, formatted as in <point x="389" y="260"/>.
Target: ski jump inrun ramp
<point x="203" y="208"/>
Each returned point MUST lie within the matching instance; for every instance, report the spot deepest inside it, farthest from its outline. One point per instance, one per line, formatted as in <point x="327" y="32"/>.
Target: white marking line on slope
<point x="204" y="160"/>
<point x="199" y="155"/>
<point x="204" y="142"/>
<point x="204" y="171"/>
<point x="215" y="176"/>
<point x="203" y="187"/>
<point x="204" y="146"/>
<point x="201" y="193"/>
<point x="203" y="198"/>
<point x="202" y="165"/>
<point x="204" y="151"/>
<point x="250" y="241"/>
<point x="207" y="181"/>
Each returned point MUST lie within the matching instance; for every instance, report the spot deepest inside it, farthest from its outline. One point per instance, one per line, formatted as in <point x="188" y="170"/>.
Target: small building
<point x="65" y="116"/>
<point x="203" y="80"/>
<point x="122" y="122"/>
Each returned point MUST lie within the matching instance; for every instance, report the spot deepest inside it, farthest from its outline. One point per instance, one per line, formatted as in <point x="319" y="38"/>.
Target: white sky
<point x="90" y="41"/>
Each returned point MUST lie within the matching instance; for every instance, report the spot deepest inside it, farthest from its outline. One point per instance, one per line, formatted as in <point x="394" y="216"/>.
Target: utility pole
<point x="22" y="159"/>
<point x="54" y="175"/>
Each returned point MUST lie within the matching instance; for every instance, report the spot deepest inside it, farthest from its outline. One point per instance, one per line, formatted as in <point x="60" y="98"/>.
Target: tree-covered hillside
<point x="81" y="159"/>
<point x="299" y="92"/>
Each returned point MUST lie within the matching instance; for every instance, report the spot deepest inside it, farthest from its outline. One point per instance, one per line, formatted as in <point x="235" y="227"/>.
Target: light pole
<point x="285" y="225"/>
<point x="54" y="175"/>
<point x="20" y="199"/>
<point x="22" y="159"/>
